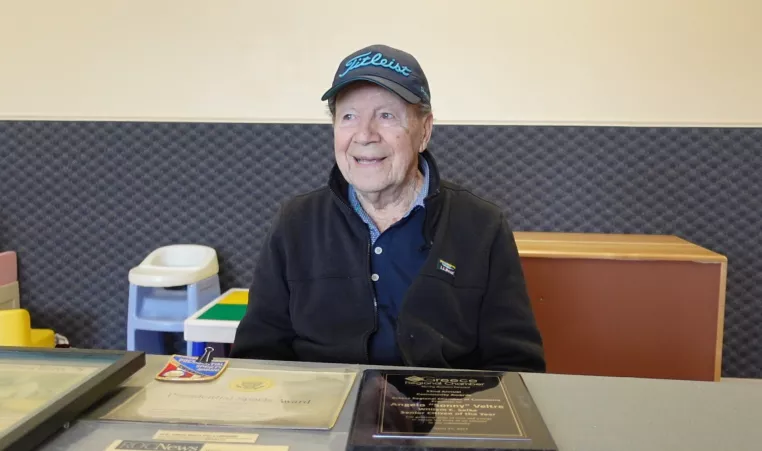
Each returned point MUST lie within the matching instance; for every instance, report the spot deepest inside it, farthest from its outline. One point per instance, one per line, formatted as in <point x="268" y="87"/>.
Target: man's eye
<point x="387" y="116"/>
<point x="348" y="116"/>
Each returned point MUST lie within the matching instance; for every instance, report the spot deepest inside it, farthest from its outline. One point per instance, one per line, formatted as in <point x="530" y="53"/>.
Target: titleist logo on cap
<point x="376" y="60"/>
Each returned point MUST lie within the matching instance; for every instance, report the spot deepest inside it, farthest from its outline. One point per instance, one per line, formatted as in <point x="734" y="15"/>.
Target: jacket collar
<point x="433" y="202"/>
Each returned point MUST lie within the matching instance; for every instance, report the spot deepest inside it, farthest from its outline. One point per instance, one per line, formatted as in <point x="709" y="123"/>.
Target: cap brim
<point x="396" y="88"/>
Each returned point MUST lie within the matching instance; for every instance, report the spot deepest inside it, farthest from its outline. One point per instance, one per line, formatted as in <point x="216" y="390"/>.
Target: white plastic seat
<point x="175" y="265"/>
<point x="170" y="285"/>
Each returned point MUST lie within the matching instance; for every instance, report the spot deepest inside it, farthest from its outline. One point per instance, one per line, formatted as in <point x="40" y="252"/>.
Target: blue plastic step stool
<point x="170" y="285"/>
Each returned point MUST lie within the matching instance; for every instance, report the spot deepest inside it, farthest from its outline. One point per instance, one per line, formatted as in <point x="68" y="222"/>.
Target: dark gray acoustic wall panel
<point x="83" y="202"/>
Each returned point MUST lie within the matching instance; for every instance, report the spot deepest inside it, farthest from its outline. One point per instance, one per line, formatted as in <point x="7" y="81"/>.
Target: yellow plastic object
<point x="16" y="330"/>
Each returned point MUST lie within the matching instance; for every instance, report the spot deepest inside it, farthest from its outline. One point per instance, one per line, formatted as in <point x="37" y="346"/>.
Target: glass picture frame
<point x="44" y="389"/>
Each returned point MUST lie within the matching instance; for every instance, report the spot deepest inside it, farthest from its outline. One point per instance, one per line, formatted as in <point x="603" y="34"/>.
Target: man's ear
<point x="428" y="125"/>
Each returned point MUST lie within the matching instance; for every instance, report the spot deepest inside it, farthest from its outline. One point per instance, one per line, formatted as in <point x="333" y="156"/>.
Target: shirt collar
<point x="418" y="202"/>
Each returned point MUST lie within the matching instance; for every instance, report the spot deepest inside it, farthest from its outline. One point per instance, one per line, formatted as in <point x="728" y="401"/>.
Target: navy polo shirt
<point x="396" y="257"/>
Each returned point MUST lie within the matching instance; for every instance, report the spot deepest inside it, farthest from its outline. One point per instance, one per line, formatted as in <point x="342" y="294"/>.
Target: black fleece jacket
<point x="311" y="298"/>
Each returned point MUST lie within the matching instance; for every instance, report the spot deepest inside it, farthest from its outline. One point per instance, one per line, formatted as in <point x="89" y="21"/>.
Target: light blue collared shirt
<point x="374" y="232"/>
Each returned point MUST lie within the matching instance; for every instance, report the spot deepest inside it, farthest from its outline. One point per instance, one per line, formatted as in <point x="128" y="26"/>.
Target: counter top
<point x="583" y="413"/>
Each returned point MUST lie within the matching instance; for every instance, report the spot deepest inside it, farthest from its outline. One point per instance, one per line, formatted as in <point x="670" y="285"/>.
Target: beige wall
<point x="489" y="61"/>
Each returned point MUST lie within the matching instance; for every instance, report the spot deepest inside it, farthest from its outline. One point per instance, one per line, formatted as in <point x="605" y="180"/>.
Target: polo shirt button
<point x="378" y="250"/>
<point x="374" y="277"/>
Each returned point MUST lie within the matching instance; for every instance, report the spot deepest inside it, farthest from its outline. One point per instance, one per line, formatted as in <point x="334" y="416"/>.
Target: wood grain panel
<point x="657" y="319"/>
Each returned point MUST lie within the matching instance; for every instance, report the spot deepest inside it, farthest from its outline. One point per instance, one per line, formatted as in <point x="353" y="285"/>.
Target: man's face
<point x="377" y="138"/>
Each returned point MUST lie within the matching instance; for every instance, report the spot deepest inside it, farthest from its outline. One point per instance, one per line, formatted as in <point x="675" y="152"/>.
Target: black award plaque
<point x="446" y="410"/>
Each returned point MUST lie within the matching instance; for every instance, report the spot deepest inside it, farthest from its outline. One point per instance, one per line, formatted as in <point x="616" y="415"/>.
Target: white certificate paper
<point x="298" y="399"/>
<point x="26" y="387"/>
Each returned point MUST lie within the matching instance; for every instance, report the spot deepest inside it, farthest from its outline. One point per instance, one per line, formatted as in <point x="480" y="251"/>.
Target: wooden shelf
<point x="626" y="305"/>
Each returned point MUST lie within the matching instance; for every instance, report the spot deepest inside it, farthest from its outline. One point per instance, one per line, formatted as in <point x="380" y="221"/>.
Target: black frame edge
<point x="66" y="409"/>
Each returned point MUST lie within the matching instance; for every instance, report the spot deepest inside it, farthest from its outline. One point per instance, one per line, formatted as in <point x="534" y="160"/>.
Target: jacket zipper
<point x="429" y="242"/>
<point x="375" y="303"/>
<point x="367" y="278"/>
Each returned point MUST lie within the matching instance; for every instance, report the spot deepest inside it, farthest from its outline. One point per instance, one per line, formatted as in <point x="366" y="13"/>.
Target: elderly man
<point x="388" y="264"/>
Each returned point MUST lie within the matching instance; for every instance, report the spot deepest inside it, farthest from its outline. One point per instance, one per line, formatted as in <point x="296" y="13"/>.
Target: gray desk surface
<point x="583" y="413"/>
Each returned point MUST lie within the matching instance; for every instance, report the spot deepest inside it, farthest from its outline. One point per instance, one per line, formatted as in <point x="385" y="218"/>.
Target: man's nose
<point x="367" y="132"/>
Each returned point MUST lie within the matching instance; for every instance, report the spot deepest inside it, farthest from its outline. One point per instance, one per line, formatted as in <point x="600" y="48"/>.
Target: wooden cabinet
<point x="626" y="305"/>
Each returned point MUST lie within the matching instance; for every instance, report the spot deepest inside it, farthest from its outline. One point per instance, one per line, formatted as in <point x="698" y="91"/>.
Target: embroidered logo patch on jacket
<point x="449" y="268"/>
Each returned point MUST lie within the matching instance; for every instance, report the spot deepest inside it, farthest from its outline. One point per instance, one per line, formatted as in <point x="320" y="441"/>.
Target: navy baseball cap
<point x="385" y="66"/>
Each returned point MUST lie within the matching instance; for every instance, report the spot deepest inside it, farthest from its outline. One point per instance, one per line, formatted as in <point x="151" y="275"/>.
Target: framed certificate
<point x="43" y="389"/>
<point x="296" y="398"/>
